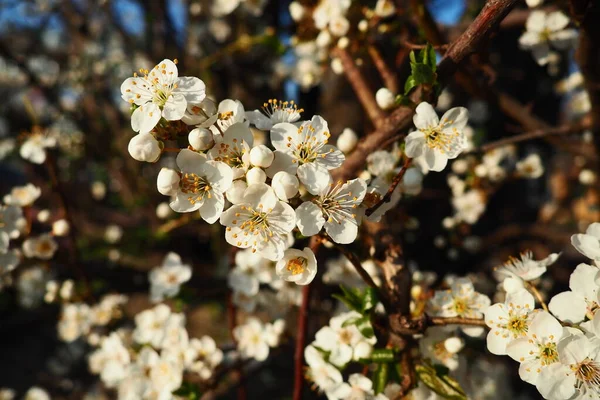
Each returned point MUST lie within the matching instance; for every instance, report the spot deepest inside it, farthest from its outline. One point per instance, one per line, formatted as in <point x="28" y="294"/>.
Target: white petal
<point x="189" y="161"/>
<point x="415" y="144"/>
<point x="568" y="307"/>
<point x="522" y="349"/>
<point x="455" y="118"/>
<point x="587" y="245"/>
<point x="529" y="371"/>
<point x="174" y="108"/>
<point x="563" y="40"/>
<point x="314" y="177"/>
<point x="212" y="208"/>
<point x="192" y="88"/>
<point x="260" y="120"/>
<point x="282" y="162"/>
<point x="536" y="22"/>
<point x="545" y="326"/>
<point x="334" y="158"/>
<point x="556" y="21"/>
<point x="145" y="117"/>
<point x="425" y="116"/>
<point x="556" y="381"/>
<point x="280" y="133"/>
<point x="435" y="159"/>
<point x="223" y="178"/>
<point x="260" y="196"/>
<point x="309" y="218"/>
<point x="182" y="204"/>
<point x="342" y="232"/>
<point x="497" y="342"/>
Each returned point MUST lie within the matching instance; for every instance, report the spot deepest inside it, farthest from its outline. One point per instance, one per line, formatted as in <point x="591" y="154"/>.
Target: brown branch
<point x="414" y="46"/>
<point x="361" y="88"/>
<point x="388" y="76"/>
<point x="353" y="258"/>
<point x="535" y="134"/>
<point x="238" y="373"/>
<point x="387" y="197"/>
<point x="457" y="321"/>
<point x="315" y="244"/>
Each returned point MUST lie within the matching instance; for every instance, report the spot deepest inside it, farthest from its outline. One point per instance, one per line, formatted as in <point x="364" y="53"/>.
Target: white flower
<point x="274" y="112"/>
<point x="261" y="222"/>
<point x="166" y="376"/>
<point x="230" y="112"/>
<point x="36" y="393"/>
<point x="385" y="8"/>
<point x="207" y="356"/>
<point x="342" y="341"/>
<point x="251" y="269"/>
<point x="113" y="233"/>
<point x="234" y="149"/>
<point x="201" y="139"/>
<point x="385" y="98"/>
<point x="7" y="394"/>
<point x="31" y="286"/>
<point x="526" y="268"/>
<point x="533" y="3"/>
<point x="74" y="322"/>
<point x="328" y="10"/>
<point x="254" y="339"/>
<point x="577" y="375"/>
<point x="546" y="30"/>
<point x="588" y="243"/>
<point x="298" y="266"/>
<point x="199" y="186"/>
<point x="435" y="140"/>
<point x="60" y="227"/>
<point x="324" y="375"/>
<point x="144" y="147"/>
<point x="297" y="11"/>
<point x="285" y="185"/>
<point x="160" y="93"/>
<point x="110" y="360"/>
<point x="166" y="279"/>
<point x="509" y="321"/>
<point x="433" y="346"/>
<point x="335" y="209"/>
<point x="103" y="312"/>
<point x="151" y="325"/>
<point x="538" y="347"/>
<point x="460" y="301"/>
<point x="304" y="151"/>
<point x="34" y="148"/>
<point x="359" y="387"/>
<point x="23" y="196"/>
<point x="469" y="206"/>
<point x="12" y="221"/>
<point x="382" y="162"/>
<point x="7" y="145"/>
<point x="203" y="114"/>
<point x="43" y="247"/>
<point x="582" y="300"/>
<point x="347" y="140"/>
<point x="531" y="167"/>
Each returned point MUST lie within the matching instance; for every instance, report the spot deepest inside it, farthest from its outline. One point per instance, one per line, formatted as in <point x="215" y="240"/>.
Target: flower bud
<point x="297" y="11"/>
<point x="256" y="175"/>
<point x="336" y="66"/>
<point x="454" y="344"/>
<point x="285" y="185"/>
<point x="511" y="284"/>
<point x="43" y="216"/>
<point x="167" y="181"/>
<point x="323" y="39"/>
<point x="113" y="233"/>
<point x="144" y="147"/>
<point x="347" y="140"/>
<point x="261" y="156"/>
<point x="163" y="210"/>
<point x="60" y="228"/>
<point x="235" y="194"/>
<point x="362" y="350"/>
<point x="385" y="98"/>
<point x="363" y="25"/>
<point x="98" y="190"/>
<point x="201" y="139"/>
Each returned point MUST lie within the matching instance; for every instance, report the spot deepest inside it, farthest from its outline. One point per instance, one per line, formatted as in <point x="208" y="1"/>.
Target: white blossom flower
<point x="207" y="356"/>
<point x="34" y="148"/>
<point x="23" y="196"/>
<point x="43" y="247"/>
<point x="273" y="112"/>
<point x="261" y="222"/>
<point x="588" y="243"/>
<point x="573" y="306"/>
<point x="328" y="10"/>
<point x="385" y="8"/>
<point x="509" y="321"/>
<point x="161" y="92"/>
<point x="102" y="313"/>
<point x="251" y="269"/>
<point x="576" y="375"/>
<point x="285" y="185"/>
<point x="151" y="325"/>
<point x="75" y="321"/>
<point x="298" y="266"/>
<point x="199" y="186"/>
<point x="166" y="280"/>
<point x="60" y="227"/>
<point x="36" y="393"/>
<point x="461" y="300"/>
<point x="469" y="206"/>
<point x="297" y="11"/>
<point x="230" y="112"/>
<point x="7" y="145"/>
<point x="526" y="269"/>
<point x="359" y="387"/>
<point x="538" y="347"/>
<point x="234" y="149"/>
<point x="334" y="209"/>
<point x="546" y="31"/>
<point x="31" y="286"/>
<point x="530" y="167"/>
<point x="324" y="375"/>
<point x="304" y="151"/>
<point x="435" y="140"/>
<point x="7" y="394"/>
<point x="12" y="221"/>
<point x="382" y="162"/>
<point x="254" y="338"/>
<point x="144" y="147"/>
<point x="166" y="376"/>
<point x="110" y="360"/>
<point x="343" y="342"/>
<point x="433" y="346"/>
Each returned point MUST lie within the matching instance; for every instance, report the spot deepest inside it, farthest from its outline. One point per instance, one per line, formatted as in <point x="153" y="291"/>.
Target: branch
<point x="395" y="183"/>
<point x="315" y="244"/>
<point x="403" y="325"/>
<point x="361" y="88"/>
<point x="387" y="75"/>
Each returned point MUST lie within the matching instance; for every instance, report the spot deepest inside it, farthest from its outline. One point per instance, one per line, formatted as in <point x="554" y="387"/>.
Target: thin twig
<point x="457" y="321"/>
<point x="361" y="88"/>
<point x="537" y="295"/>
<point x="387" y="75"/>
<point x="232" y="321"/>
<point x="387" y="197"/>
<point x="315" y="244"/>
<point x="353" y="258"/>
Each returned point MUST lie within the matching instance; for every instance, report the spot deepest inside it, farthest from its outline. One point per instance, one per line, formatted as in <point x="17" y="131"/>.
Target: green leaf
<point x="364" y="326"/>
<point x="382" y="355"/>
<point x="443" y="384"/>
<point x="369" y="300"/>
<point x="412" y="57"/>
<point x="381" y="377"/>
<point x="350" y="321"/>
<point x="188" y="391"/>
<point x="429" y="57"/>
<point x="423" y="74"/>
<point x="409" y="84"/>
